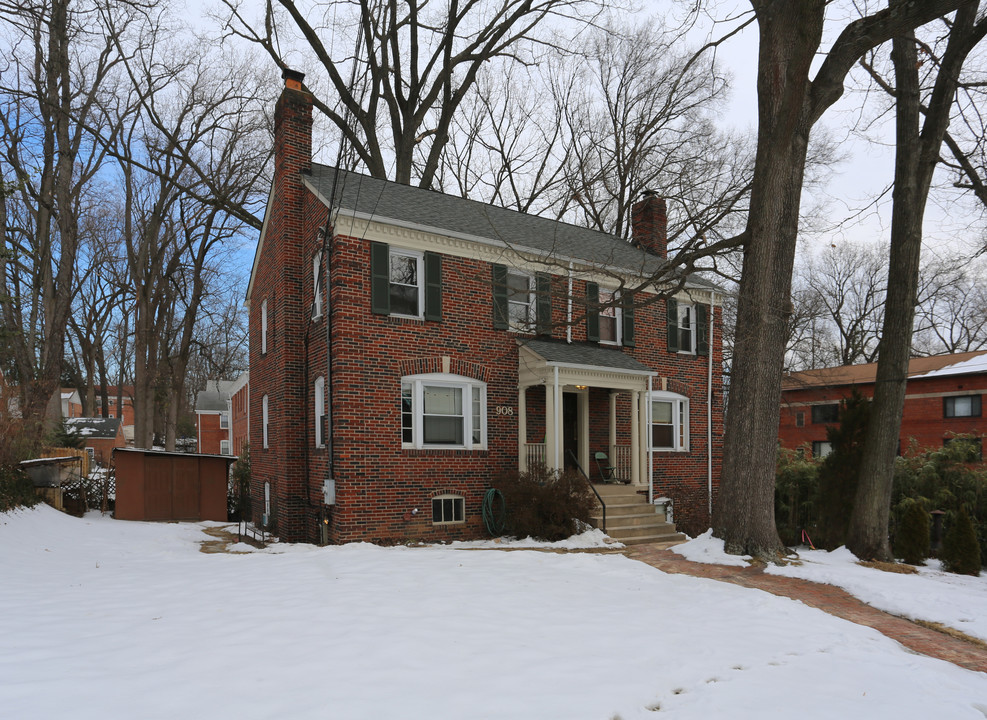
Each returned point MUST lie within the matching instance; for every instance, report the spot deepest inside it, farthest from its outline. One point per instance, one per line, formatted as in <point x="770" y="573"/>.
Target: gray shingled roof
<point x="211" y="401"/>
<point x="430" y="210"/>
<point x="93" y="427"/>
<point x="587" y="355"/>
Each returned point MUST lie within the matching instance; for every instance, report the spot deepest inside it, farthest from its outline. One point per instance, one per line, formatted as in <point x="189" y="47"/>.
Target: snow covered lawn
<point x="958" y="601"/>
<point x="102" y="618"/>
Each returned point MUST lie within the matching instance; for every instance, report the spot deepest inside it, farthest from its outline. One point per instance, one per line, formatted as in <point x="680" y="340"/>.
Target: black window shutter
<point x="433" y="286"/>
<point x="702" y="330"/>
<point x="592" y="312"/>
<point x="975" y="406"/>
<point x="627" y="315"/>
<point x="380" y="279"/>
<point x="673" y="324"/>
<point x="543" y="288"/>
<point x="499" y="284"/>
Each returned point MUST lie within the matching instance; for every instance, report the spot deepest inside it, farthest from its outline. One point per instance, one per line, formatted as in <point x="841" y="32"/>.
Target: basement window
<point x="448" y="509"/>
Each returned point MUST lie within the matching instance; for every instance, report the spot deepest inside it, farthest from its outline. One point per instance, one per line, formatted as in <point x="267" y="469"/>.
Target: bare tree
<point x="916" y="155"/>
<point x="57" y="61"/>
<point x="789" y="105"/>
<point x="417" y="63"/>
<point x="952" y="313"/>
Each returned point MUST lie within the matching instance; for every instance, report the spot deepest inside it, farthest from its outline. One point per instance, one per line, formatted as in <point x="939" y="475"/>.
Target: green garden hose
<point x="494" y="512"/>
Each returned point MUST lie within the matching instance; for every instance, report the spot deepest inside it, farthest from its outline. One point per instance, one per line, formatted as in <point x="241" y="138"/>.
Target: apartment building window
<point x="826" y="413"/>
<point x="961" y="406"/>
<point x="443" y="411"/>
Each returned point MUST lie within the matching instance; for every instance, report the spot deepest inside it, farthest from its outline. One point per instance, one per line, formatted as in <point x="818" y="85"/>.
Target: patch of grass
<point x="900" y="568"/>
<point x="952" y="632"/>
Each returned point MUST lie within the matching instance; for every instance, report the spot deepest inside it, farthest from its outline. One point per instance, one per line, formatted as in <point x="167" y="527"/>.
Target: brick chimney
<point x="649" y="224"/>
<point x="293" y="127"/>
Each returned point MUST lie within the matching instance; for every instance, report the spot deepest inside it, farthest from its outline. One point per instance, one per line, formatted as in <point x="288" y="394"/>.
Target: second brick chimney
<point x="649" y="224"/>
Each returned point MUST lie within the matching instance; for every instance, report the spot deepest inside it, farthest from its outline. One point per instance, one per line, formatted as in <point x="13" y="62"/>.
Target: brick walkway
<point x="828" y="598"/>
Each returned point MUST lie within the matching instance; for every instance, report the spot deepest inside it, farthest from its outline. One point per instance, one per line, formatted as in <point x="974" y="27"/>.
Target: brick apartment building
<point x="459" y="340"/>
<point x="943" y="399"/>
<point x="240" y="413"/>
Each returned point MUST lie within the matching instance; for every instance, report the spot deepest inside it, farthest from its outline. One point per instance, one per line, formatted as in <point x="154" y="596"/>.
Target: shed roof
<point x="211" y="401"/>
<point x="94" y="428"/>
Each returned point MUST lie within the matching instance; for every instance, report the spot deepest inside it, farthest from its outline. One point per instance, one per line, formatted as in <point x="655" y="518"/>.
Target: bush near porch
<point x="544" y="504"/>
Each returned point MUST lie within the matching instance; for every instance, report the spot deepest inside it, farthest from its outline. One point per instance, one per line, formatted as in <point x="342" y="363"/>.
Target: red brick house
<point x="943" y="399"/>
<point x="212" y="418"/>
<point x="240" y="413"/>
<point x="459" y="340"/>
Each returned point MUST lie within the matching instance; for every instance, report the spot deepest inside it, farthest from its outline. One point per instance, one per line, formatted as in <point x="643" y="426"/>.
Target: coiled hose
<point x="494" y="512"/>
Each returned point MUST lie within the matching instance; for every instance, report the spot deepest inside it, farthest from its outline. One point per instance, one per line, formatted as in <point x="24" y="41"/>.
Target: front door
<point x="570" y="428"/>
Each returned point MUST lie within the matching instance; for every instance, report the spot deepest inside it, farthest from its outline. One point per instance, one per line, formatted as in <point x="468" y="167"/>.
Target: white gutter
<point x="709" y="408"/>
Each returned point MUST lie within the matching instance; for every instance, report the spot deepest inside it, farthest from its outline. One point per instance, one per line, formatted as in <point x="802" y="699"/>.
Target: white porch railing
<point x="534" y="454"/>
<point x="620" y="458"/>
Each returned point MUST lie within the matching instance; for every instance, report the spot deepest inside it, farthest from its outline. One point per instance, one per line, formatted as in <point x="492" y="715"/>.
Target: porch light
<point x="581" y="387"/>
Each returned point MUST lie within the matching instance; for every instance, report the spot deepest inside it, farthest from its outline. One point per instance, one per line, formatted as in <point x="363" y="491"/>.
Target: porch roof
<point x="580" y="364"/>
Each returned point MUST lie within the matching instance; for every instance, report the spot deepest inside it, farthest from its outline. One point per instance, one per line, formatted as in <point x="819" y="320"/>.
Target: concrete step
<point x="674" y="539"/>
<point x="620" y="532"/>
<point x="637" y="518"/>
<point x="638" y="508"/>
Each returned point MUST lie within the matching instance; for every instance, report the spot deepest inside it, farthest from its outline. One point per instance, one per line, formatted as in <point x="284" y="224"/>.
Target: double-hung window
<point x="609" y="318"/>
<point x="406" y="291"/>
<point x="688" y="328"/>
<point x="264" y="419"/>
<point x="669" y="421"/>
<point x="405" y="283"/>
<point x="224" y="421"/>
<point x="443" y="411"/>
<point x="961" y="406"/>
<point x="317" y="285"/>
<point x="263" y="326"/>
<point x="521" y="302"/>
<point x="825" y="413"/>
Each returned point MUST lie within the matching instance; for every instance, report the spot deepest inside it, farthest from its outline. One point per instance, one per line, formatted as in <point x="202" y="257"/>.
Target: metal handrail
<point x="590" y="483"/>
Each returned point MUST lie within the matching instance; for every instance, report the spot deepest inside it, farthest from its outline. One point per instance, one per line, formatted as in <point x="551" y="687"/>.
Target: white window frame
<point x="264" y="418"/>
<point x="224" y="447"/>
<point x="474" y="410"/>
<point x="680" y="420"/>
<point x="821" y="448"/>
<point x="455" y="499"/>
<point x="687" y="311"/>
<point x="320" y="411"/>
<point x="263" y="327"/>
<point x="611" y="297"/>
<point x="419" y="258"/>
<point x="317" y="285"/>
<point x="224" y="421"/>
<point x="529" y="326"/>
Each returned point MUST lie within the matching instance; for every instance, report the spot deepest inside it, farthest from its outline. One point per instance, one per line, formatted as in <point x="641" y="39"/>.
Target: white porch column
<point x="635" y="439"/>
<point x="522" y="430"/>
<point x="582" y="406"/>
<point x="645" y="475"/>
<point x="550" y="426"/>
<point x="612" y="449"/>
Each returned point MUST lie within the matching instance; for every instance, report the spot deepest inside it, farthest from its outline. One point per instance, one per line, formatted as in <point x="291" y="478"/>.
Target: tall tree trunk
<point x="788" y="106"/>
<point x="916" y="155"/>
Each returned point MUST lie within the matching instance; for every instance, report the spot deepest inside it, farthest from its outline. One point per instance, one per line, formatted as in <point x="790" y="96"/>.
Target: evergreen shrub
<point x="912" y="539"/>
<point x="796" y="485"/>
<point x="838" y="472"/>
<point x="238" y="506"/>
<point x="544" y="504"/>
<point x="960" y="550"/>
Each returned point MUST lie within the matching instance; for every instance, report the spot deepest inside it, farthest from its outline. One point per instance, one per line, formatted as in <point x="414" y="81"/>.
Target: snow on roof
<point x="977" y="364"/>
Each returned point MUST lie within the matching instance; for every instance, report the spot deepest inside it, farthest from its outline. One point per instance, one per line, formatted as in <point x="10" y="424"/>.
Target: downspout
<point x="709" y="407"/>
<point x="568" y="316"/>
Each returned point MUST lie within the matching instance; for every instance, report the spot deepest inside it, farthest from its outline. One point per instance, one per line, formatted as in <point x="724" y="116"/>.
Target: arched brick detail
<point x="447" y="491"/>
<point x="423" y="366"/>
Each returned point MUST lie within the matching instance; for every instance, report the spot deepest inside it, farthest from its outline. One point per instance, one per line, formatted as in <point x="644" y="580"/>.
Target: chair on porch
<point x="608" y="472"/>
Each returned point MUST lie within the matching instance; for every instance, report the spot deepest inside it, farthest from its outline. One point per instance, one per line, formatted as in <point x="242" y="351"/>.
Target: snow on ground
<point x="101" y="618"/>
<point x="958" y="601"/>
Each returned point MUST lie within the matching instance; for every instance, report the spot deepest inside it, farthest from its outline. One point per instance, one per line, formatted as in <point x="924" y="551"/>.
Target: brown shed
<point x="157" y="485"/>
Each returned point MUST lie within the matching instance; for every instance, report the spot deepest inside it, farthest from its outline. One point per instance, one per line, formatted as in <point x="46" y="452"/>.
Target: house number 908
<point x="505" y="410"/>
